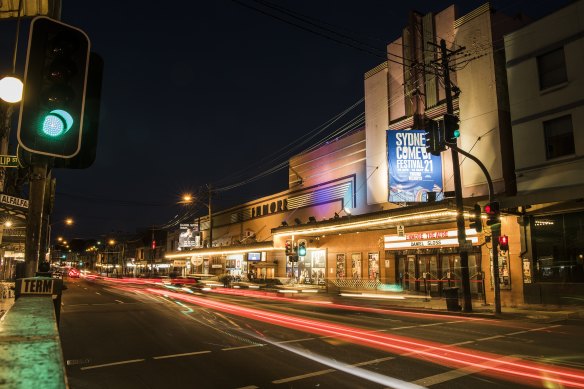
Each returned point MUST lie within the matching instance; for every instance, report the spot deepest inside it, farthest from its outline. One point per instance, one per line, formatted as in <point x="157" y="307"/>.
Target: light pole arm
<point x="483" y="168"/>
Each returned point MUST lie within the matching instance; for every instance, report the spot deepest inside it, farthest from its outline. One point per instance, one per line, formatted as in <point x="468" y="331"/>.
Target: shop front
<point x="428" y="261"/>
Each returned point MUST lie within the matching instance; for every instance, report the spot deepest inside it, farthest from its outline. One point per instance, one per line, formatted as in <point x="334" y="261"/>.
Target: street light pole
<point x="210" y="220"/>
<point x="465" y="273"/>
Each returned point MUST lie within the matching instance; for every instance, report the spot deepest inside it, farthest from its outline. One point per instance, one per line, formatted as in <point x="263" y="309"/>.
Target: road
<point x="123" y="335"/>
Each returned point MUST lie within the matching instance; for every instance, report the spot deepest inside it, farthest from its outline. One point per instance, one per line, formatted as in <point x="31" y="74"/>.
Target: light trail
<point x="430" y="351"/>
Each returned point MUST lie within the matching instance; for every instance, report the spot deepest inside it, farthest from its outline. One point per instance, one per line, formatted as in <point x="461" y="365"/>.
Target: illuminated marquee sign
<point x="427" y="239"/>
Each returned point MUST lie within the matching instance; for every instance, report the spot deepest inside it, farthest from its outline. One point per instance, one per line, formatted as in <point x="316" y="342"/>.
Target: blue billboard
<point x="412" y="171"/>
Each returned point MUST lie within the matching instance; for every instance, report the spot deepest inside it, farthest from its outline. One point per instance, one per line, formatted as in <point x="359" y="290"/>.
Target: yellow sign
<point x="8" y="161"/>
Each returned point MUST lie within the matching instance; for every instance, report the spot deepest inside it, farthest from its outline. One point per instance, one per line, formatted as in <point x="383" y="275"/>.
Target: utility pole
<point x="210" y="219"/>
<point x="467" y="307"/>
<point x="35" y="215"/>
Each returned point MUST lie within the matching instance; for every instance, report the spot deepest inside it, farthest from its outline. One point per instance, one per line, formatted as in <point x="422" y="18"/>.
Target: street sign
<point x="37" y="286"/>
<point x="8" y="161"/>
<point x="16" y="201"/>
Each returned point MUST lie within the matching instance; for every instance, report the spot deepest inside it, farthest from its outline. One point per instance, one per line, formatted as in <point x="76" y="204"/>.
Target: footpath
<point x="567" y="314"/>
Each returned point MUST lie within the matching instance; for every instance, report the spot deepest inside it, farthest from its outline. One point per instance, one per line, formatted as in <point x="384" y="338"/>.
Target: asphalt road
<point x="117" y="335"/>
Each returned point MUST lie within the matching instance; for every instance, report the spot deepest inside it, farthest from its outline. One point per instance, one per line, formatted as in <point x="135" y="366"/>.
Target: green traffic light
<point x="57" y="123"/>
<point x="456" y="133"/>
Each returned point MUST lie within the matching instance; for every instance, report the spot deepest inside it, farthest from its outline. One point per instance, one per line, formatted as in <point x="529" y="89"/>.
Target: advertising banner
<point x="188" y="236"/>
<point x="412" y="171"/>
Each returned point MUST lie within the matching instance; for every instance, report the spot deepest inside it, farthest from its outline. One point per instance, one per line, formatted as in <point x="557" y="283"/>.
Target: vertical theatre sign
<point x="413" y="172"/>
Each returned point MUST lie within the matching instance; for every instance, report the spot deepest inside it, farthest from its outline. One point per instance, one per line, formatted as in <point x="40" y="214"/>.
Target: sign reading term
<point x="16" y="201"/>
<point x="8" y="161"/>
<point x="36" y="286"/>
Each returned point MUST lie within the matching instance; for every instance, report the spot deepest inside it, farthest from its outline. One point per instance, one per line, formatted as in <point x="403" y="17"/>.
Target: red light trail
<point x="434" y="352"/>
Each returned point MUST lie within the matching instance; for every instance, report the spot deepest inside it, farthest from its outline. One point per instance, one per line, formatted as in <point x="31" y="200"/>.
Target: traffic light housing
<point x="288" y="247"/>
<point x="451" y="128"/>
<point x="302" y="247"/>
<point x="504" y="243"/>
<point x="475" y="219"/>
<point x="432" y="137"/>
<point x="88" y="152"/>
<point x="55" y="79"/>
<point x="493" y="212"/>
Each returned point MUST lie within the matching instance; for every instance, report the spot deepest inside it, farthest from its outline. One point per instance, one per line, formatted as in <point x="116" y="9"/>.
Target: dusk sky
<point x="195" y="92"/>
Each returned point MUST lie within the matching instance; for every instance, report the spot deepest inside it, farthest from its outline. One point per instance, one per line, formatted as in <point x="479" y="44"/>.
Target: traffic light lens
<point x="456" y="133"/>
<point x="57" y="123"/>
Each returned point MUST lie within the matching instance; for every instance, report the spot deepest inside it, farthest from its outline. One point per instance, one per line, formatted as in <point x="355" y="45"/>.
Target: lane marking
<point x="490" y="338"/>
<point x="371" y="362"/>
<point x="181" y="355"/>
<point x="295" y="340"/>
<point x="119" y="301"/>
<point x="249" y="387"/>
<point x="112" y="364"/>
<point x="242" y="347"/>
<point x="303" y="376"/>
<point x="97" y="293"/>
<point x="454" y="374"/>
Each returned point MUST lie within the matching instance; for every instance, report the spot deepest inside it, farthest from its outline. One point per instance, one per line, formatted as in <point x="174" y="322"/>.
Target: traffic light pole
<point x="467" y="306"/>
<point x="37" y="180"/>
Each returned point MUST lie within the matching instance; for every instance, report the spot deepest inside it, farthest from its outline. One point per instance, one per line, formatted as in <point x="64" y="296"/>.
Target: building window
<point x="559" y="137"/>
<point x="551" y="68"/>
<point x="558" y="247"/>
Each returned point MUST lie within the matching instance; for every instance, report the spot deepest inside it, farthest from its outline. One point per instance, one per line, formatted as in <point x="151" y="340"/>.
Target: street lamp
<point x="11" y="89"/>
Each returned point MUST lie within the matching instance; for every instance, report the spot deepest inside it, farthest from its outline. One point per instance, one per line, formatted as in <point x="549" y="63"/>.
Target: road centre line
<point x="533" y="330"/>
<point x="119" y="301"/>
<point x="112" y="364"/>
<point x="182" y="354"/>
<point x="371" y="362"/>
<point x="454" y="374"/>
<point x="242" y="347"/>
<point x="490" y="338"/>
<point x="295" y="340"/>
<point x="303" y="376"/>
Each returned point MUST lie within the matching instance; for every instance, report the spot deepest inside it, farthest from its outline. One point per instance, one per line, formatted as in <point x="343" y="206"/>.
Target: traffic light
<point x="475" y="219"/>
<point x="288" y="247"/>
<point x="88" y="152"/>
<point x="302" y="247"/>
<point x="55" y="79"/>
<point x="451" y="128"/>
<point x="433" y="138"/>
<point x="504" y="243"/>
<point x="493" y="212"/>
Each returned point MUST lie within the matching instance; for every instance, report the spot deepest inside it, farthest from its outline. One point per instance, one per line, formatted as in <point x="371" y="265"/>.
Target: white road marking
<point x="112" y="364"/>
<point x="249" y="387"/>
<point x="295" y="340"/>
<point x="242" y="347"/>
<point x="97" y="293"/>
<point x="303" y="376"/>
<point x="490" y="338"/>
<point x="371" y="362"/>
<point x="454" y="374"/>
<point x="121" y="302"/>
<point x="181" y="355"/>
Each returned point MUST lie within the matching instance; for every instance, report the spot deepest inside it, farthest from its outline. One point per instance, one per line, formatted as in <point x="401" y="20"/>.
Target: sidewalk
<point x="567" y="314"/>
<point x="5" y="305"/>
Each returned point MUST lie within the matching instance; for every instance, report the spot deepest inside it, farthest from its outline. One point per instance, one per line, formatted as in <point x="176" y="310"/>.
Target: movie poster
<point x="413" y="172"/>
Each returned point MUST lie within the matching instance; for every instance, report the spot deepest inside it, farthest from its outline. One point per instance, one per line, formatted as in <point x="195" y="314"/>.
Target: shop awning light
<point x="225" y="251"/>
<point x="367" y="223"/>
